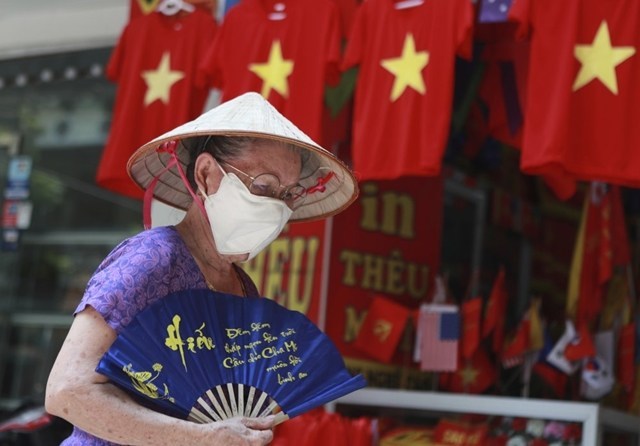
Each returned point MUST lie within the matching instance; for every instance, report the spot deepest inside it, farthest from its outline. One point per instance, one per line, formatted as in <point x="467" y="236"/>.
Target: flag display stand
<point x="594" y="419"/>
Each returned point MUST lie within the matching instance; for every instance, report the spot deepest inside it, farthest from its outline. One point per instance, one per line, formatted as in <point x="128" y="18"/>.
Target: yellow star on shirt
<point x="407" y="68"/>
<point x="599" y="60"/>
<point x="468" y="375"/>
<point x="160" y="80"/>
<point x="274" y="72"/>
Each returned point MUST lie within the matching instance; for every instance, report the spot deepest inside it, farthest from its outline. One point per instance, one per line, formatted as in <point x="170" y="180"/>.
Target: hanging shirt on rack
<point x="581" y="118"/>
<point x="155" y="66"/>
<point x="405" y="83"/>
<point x="286" y="50"/>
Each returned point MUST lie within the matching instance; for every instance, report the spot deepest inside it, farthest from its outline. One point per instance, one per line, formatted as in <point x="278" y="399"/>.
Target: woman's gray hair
<point x="228" y="148"/>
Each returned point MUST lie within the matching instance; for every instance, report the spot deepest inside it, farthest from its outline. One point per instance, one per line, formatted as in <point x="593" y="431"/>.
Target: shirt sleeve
<point x="357" y="36"/>
<point x="114" y="66"/>
<point x="136" y="273"/>
<point x="465" y="30"/>
<point x="211" y="69"/>
<point x="332" y="70"/>
<point x="520" y="13"/>
<point x="110" y="288"/>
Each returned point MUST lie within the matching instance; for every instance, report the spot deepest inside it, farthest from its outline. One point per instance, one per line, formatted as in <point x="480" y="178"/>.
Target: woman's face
<point x="272" y="158"/>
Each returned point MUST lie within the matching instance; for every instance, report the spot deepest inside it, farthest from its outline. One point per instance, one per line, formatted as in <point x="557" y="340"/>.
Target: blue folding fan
<point x="207" y="356"/>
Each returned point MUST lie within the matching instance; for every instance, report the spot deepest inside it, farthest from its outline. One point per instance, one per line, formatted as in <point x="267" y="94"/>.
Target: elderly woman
<point x="241" y="171"/>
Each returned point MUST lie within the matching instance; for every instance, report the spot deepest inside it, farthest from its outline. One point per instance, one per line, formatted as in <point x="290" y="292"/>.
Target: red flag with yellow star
<point x="155" y="67"/>
<point x="287" y="51"/>
<point x="382" y="329"/>
<point x="404" y="89"/>
<point x="601" y="244"/>
<point x="474" y="376"/>
<point x="582" y="114"/>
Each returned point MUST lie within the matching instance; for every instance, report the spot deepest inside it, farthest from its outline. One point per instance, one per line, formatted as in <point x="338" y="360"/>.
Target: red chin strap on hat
<point x="170" y="148"/>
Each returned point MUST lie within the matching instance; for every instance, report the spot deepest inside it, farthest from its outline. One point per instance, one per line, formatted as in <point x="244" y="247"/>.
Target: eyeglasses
<point x="268" y="185"/>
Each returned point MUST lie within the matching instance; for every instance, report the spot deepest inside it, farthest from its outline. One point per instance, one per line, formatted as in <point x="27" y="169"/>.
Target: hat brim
<point x="338" y="186"/>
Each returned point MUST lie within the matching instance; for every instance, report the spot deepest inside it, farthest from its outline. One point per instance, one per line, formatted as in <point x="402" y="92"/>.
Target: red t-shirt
<point x="582" y="113"/>
<point x="155" y="66"/>
<point x="287" y="55"/>
<point x="403" y="105"/>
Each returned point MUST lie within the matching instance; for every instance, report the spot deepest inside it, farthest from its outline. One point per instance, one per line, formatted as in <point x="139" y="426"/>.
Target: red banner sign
<point x="387" y="243"/>
<point x="290" y="269"/>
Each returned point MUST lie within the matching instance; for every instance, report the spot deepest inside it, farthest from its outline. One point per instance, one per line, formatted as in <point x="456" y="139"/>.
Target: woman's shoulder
<point x="161" y="241"/>
<point x="161" y="237"/>
<point x="140" y="270"/>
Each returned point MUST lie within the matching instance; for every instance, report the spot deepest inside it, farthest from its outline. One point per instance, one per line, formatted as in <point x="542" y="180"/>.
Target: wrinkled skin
<point x="78" y="394"/>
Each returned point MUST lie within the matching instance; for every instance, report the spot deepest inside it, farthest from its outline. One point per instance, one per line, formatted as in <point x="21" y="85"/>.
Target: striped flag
<point x="494" y="11"/>
<point x="439" y="326"/>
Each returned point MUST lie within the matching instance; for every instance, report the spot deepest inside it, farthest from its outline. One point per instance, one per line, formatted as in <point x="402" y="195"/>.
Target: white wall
<point x="30" y="27"/>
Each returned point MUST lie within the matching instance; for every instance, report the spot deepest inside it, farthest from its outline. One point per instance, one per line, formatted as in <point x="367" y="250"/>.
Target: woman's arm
<point x="80" y="395"/>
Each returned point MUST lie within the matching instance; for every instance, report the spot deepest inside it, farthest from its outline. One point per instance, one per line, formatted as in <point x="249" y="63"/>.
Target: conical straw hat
<point x="248" y="115"/>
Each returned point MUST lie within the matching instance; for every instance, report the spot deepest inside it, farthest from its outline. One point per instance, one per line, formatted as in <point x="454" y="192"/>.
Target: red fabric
<point x="582" y="347"/>
<point x="619" y="238"/>
<point x="320" y="428"/>
<point x="605" y="246"/>
<point x="309" y="38"/>
<point x="347" y="10"/>
<point x="471" y="319"/>
<point x="492" y="92"/>
<point x="405" y="135"/>
<point x="556" y="379"/>
<point x="494" y="313"/>
<point x="388" y="218"/>
<point x="382" y="329"/>
<point x="518" y="346"/>
<point x="474" y="375"/>
<point x="143" y="45"/>
<point x="574" y="126"/>
<point x="626" y="356"/>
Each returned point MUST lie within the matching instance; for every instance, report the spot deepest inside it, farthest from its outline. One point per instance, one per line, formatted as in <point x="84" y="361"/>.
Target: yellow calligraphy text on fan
<point x="143" y="382"/>
<point x="268" y="352"/>
<point x="264" y="347"/>
<point x="175" y="342"/>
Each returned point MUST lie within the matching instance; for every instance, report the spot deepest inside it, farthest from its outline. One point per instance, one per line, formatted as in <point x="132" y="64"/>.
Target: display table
<point x="595" y="419"/>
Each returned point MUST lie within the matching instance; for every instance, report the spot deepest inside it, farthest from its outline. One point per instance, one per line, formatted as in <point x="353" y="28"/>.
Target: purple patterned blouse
<point x="138" y="272"/>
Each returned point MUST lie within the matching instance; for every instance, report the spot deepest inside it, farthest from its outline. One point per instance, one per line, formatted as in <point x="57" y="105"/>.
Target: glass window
<point x="55" y="110"/>
<point x="59" y="107"/>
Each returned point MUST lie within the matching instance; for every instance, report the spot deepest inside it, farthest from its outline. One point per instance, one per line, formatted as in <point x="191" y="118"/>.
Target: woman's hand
<point x="240" y="431"/>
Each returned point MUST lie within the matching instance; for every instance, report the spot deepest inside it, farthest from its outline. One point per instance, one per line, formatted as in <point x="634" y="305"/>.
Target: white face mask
<point x="241" y="222"/>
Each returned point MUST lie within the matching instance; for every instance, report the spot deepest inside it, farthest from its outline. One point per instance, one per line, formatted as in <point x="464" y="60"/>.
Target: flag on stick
<point x="439" y="326"/>
<point x="494" y="312"/>
<point x="382" y="329"/>
<point x="471" y="315"/>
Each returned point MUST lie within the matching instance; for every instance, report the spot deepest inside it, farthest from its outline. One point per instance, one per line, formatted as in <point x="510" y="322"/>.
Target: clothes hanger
<point x="279" y="11"/>
<point x="404" y="4"/>
<point x="172" y="7"/>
